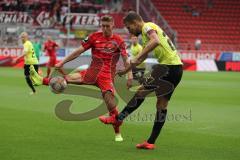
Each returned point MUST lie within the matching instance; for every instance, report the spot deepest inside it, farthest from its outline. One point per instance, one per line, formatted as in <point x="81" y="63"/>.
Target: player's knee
<point x="162" y="103"/>
<point x="141" y="93"/>
<point x="73" y="76"/>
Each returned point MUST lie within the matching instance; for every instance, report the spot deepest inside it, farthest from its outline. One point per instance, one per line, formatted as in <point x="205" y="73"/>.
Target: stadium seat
<point x="216" y="26"/>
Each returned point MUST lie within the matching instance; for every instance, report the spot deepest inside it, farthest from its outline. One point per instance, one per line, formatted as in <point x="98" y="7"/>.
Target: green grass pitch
<point x="203" y="123"/>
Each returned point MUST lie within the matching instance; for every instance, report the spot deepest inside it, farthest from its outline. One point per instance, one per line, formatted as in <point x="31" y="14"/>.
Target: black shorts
<point x="27" y="69"/>
<point x="138" y="73"/>
<point x="163" y="79"/>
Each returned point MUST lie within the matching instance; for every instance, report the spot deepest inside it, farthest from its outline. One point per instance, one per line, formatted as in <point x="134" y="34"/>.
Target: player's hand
<point x="129" y="83"/>
<point x="121" y="72"/>
<point x="125" y="71"/>
<point x="134" y="62"/>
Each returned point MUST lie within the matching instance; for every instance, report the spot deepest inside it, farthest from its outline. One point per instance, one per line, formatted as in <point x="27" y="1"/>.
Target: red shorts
<point x="52" y="61"/>
<point x="103" y="82"/>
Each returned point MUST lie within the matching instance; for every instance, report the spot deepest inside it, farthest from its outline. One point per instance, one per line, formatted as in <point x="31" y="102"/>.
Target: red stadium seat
<point x="217" y="27"/>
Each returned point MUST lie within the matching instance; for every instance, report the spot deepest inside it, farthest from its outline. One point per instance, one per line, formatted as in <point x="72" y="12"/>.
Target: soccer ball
<point x="57" y="84"/>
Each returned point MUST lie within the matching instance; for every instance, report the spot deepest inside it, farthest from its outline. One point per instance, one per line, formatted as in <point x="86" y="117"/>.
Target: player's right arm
<point x="26" y="49"/>
<point x="151" y="45"/>
<point x="85" y="45"/>
<point x="71" y="57"/>
<point x="19" y="57"/>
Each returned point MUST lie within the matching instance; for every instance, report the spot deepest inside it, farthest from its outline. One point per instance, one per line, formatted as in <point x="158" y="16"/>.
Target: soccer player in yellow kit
<point x="154" y="39"/>
<point x="29" y="59"/>
<point x="135" y="49"/>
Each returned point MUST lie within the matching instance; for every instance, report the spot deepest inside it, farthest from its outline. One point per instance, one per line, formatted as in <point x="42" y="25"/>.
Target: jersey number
<point x="169" y="42"/>
<point x="33" y="55"/>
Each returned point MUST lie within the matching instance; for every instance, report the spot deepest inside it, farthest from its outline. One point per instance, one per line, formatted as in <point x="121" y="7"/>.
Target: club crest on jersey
<point x="111" y="47"/>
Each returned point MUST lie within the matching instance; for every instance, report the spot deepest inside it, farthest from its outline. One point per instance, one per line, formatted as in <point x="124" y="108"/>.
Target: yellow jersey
<point x="135" y="50"/>
<point x="165" y="52"/>
<point x="30" y="56"/>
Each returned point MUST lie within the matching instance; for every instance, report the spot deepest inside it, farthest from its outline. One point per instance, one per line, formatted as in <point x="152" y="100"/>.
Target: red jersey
<point x="105" y="53"/>
<point x="50" y="48"/>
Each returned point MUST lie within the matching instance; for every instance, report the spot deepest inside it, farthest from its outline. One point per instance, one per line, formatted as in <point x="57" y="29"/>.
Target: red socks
<point x="46" y="81"/>
<point x="114" y="112"/>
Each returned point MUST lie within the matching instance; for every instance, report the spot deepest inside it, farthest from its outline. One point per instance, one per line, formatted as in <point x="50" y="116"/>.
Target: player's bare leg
<point x="133" y="104"/>
<point x="74" y="78"/>
<point x="108" y="96"/>
<point x="109" y="99"/>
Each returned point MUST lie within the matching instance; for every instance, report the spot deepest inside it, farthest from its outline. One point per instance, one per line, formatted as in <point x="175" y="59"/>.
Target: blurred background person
<point x="50" y="48"/>
<point x="135" y="49"/>
<point x="29" y="59"/>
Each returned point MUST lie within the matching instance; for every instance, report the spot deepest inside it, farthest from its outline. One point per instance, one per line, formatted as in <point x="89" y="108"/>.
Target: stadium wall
<point x="211" y="61"/>
<point x="193" y="61"/>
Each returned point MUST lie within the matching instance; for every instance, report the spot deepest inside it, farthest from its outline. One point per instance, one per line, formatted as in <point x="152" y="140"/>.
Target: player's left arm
<point x="56" y="46"/>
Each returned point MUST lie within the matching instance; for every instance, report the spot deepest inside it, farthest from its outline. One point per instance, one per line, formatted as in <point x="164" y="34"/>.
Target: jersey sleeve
<point x="87" y="42"/>
<point x="147" y="30"/>
<point x="26" y="48"/>
<point x="55" y="44"/>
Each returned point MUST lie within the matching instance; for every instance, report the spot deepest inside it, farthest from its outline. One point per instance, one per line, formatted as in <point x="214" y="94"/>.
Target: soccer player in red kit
<point x="106" y="49"/>
<point x="50" y="47"/>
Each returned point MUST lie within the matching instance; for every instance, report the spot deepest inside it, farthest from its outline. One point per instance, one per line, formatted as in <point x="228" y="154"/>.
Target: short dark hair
<point x="107" y="18"/>
<point x="131" y="16"/>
